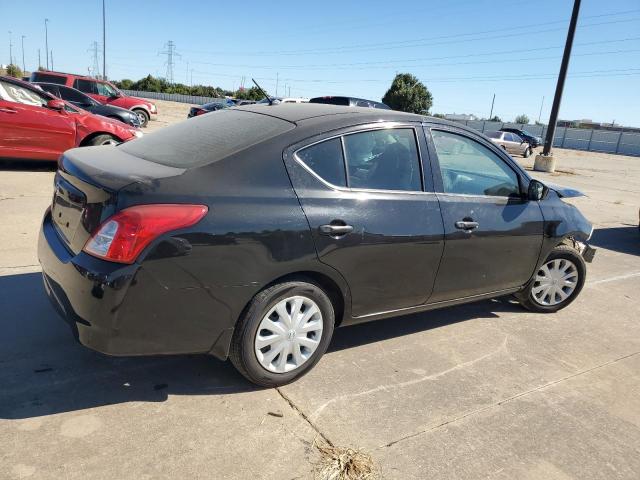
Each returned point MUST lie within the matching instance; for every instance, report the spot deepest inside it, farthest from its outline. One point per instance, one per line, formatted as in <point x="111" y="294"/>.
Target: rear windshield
<point x="344" y="101"/>
<point x="45" y="77"/>
<point x="206" y="138"/>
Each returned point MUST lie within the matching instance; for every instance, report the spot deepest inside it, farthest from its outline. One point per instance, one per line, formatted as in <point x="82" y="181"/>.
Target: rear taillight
<point x="122" y="237"/>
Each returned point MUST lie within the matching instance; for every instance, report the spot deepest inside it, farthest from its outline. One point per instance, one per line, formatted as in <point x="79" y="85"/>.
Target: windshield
<point x="107" y="90"/>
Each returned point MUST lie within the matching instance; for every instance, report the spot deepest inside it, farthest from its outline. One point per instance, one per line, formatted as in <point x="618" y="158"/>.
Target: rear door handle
<point x="335" y="230"/>
<point x="8" y="110"/>
<point x="467" y="225"/>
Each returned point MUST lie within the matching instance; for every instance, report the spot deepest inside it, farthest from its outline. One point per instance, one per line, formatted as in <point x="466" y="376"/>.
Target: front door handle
<point x="335" y="230"/>
<point x="8" y="110"/>
<point x="467" y="225"/>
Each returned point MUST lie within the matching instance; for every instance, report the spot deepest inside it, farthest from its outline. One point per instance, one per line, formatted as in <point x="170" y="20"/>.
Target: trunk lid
<point x="86" y="188"/>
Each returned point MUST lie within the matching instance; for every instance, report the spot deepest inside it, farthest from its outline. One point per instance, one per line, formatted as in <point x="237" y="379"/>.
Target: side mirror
<point x="537" y="190"/>
<point x="55" y="105"/>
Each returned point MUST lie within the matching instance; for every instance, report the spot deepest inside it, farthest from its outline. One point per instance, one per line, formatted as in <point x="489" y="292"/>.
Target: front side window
<point x="10" y="92"/>
<point x="326" y="160"/>
<point x="470" y="168"/>
<point x="384" y="159"/>
<point x="106" y="89"/>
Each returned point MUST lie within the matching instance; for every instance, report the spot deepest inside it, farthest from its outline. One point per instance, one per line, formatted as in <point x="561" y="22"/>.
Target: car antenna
<point x="269" y="99"/>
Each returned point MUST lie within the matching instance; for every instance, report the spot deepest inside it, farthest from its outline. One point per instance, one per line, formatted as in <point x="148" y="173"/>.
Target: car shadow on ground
<point x="28" y="166"/>
<point x="617" y="239"/>
<point x="43" y="371"/>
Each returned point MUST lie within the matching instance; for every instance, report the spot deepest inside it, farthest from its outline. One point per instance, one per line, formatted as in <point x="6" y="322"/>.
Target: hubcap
<point x="142" y="117"/>
<point x="288" y="334"/>
<point x="555" y="282"/>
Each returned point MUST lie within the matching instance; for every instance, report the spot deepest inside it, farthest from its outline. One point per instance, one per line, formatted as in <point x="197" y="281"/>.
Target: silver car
<point x="511" y="142"/>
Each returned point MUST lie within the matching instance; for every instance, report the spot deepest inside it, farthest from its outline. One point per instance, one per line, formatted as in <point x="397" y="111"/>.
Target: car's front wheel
<point x="104" y="139"/>
<point x="557" y="282"/>
<point x="142" y="116"/>
<point x="283" y="333"/>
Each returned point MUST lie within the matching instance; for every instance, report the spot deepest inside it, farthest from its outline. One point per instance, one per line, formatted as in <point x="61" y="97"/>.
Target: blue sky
<point x="464" y="50"/>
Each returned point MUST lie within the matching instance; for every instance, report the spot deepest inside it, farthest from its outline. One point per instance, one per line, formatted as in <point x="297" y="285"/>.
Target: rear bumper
<point x="122" y="309"/>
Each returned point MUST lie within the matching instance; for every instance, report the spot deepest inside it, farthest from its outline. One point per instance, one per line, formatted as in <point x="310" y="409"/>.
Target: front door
<point x="493" y="234"/>
<point x="371" y="218"/>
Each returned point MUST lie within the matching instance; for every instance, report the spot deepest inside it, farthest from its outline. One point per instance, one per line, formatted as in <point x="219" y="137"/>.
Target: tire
<point x="251" y="329"/>
<point x="563" y="255"/>
<point x="103" y="139"/>
<point x="527" y="152"/>
<point x="143" y="116"/>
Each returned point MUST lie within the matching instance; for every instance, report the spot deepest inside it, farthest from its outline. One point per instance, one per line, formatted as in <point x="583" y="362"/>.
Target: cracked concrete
<point x="483" y="390"/>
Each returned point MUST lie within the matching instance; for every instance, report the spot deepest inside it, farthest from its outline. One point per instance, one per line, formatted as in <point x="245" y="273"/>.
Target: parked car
<point x="101" y="90"/>
<point x="349" y="102"/>
<point x="209" y="107"/>
<point x="250" y="234"/>
<point x="511" y="142"/>
<point x="79" y="99"/>
<point x="243" y="102"/>
<point x="35" y="125"/>
<point x="530" y="138"/>
<point x="277" y="100"/>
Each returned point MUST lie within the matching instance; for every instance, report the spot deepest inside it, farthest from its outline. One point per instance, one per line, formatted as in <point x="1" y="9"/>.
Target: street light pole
<point x="10" y="49"/>
<point x="46" y="41"/>
<point x="492" y="102"/>
<point x="104" y="43"/>
<point x="545" y="161"/>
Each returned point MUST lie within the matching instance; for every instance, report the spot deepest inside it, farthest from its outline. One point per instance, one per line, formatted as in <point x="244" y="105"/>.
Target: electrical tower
<point x="170" y="52"/>
<point x="95" y="69"/>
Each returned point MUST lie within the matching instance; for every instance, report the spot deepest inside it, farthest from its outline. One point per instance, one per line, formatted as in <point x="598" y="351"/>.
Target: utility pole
<point x="46" y="41"/>
<point x="186" y="80"/>
<point x="492" y="102"/>
<point x="23" y="67"/>
<point x="39" y="62"/>
<point x="96" y="63"/>
<point x="10" y="49"/>
<point x="170" y="52"/>
<point x="52" y="59"/>
<point x="545" y="162"/>
<point x="541" y="104"/>
<point x="104" y="43"/>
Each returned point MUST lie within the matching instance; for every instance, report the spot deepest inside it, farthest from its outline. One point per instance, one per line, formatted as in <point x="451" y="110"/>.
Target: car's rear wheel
<point x="283" y="333"/>
<point x="143" y="116"/>
<point x="557" y="282"/>
<point x="527" y="152"/>
<point x="104" y="139"/>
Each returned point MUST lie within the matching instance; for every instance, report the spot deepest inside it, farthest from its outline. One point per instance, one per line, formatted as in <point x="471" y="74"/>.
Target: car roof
<point x="298" y="112"/>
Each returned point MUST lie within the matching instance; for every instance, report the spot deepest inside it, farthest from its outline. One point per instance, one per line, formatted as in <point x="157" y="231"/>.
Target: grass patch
<point x="344" y="463"/>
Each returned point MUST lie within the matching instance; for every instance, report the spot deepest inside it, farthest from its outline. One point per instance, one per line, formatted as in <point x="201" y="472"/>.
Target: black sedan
<point x="251" y="233"/>
<point x="209" y="107"/>
<point x="79" y="99"/>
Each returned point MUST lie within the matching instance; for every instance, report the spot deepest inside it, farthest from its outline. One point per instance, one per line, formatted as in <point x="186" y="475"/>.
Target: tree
<point x="438" y="115"/>
<point x="14" y="71"/>
<point x="495" y="118"/>
<point x="408" y="94"/>
<point x="252" y="93"/>
<point x="522" y="119"/>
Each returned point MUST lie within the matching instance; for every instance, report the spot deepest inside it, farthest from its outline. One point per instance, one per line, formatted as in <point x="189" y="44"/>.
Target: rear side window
<point x="383" y="160"/>
<point x="325" y="159"/>
<point x="45" y="77"/>
<point x="86" y="86"/>
<point x="207" y="138"/>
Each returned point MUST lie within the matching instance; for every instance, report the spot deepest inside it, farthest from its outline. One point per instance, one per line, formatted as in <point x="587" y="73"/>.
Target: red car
<point x="103" y="91"/>
<point x="35" y="125"/>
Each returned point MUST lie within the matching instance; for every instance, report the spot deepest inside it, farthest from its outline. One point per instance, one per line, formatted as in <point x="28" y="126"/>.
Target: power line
<point x="170" y="52"/>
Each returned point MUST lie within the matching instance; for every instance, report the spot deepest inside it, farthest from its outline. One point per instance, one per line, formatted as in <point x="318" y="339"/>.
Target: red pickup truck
<point x="102" y="90"/>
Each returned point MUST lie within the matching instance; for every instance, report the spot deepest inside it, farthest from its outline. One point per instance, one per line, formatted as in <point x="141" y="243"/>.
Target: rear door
<point x="28" y="129"/>
<point x="372" y="212"/>
<point x="493" y="234"/>
<point x="89" y="87"/>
